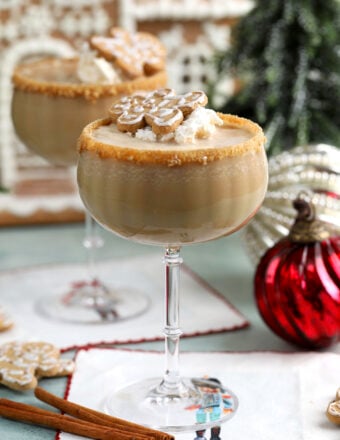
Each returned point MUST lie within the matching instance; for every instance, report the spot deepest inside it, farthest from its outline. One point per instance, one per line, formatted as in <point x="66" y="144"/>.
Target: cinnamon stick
<point x="90" y="415"/>
<point x="38" y="416"/>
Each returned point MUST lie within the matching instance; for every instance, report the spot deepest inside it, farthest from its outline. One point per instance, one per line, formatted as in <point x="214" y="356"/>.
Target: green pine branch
<point x="286" y="56"/>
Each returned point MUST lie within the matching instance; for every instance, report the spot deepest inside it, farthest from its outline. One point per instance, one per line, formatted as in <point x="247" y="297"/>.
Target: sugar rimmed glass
<point x="172" y="196"/>
<point x="50" y="107"/>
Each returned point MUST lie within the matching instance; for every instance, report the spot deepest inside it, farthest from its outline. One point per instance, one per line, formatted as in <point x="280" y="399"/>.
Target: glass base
<point x="94" y="303"/>
<point x="200" y="404"/>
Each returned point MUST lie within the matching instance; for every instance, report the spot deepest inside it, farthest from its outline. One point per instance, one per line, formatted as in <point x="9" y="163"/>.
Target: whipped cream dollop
<point x="96" y="70"/>
<point x="201" y="124"/>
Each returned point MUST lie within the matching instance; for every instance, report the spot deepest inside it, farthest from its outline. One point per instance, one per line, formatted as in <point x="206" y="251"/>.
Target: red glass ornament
<point x="297" y="284"/>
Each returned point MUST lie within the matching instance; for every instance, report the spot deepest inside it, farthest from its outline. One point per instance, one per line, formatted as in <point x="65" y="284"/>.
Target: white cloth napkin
<point x="203" y="310"/>
<point x="281" y="395"/>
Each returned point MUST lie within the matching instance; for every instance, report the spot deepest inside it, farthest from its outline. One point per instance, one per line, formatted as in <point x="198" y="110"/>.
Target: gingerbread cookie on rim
<point x="134" y="54"/>
<point x="162" y="110"/>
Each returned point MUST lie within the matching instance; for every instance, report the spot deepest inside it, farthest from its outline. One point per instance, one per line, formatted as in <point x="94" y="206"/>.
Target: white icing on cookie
<point x="22" y="363"/>
<point x="162" y="109"/>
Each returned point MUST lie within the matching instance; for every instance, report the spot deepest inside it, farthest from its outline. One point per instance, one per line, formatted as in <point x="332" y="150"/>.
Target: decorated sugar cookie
<point x="23" y="363"/>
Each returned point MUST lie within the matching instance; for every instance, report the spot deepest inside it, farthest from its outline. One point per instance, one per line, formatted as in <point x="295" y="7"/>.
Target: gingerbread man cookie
<point x="135" y="54"/>
<point x="333" y="409"/>
<point x="5" y="322"/>
<point x="162" y="110"/>
<point x="23" y="363"/>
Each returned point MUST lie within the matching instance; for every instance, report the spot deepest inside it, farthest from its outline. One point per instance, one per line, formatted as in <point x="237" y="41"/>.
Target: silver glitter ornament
<point x="313" y="171"/>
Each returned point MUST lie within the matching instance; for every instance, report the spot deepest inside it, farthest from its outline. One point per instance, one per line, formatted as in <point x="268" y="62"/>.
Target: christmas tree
<point x="286" y="55"/>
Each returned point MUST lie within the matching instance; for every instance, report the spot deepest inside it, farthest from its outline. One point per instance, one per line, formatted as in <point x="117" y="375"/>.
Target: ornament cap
<point x="307" y="228"/>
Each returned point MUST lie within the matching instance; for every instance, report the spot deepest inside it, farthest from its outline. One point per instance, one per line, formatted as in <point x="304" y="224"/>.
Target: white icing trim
<point x="25" y="206"/>
<point x="213" y="37"/>
<point x="14" y="4"/>
<point x="126" y="17"/>
<point x="184" y="10"/>
<point x="77" y="3"/>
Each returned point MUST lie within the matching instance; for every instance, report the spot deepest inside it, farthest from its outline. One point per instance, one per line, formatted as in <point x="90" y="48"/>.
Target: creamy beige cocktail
<point x="168" y="193"/>
<point x="164" y="170"/>
<point x="51" y="105"/>
<point x="53" y="100"/>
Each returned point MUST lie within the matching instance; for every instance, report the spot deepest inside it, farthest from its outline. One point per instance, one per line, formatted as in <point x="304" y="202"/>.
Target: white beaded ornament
<point x="313" y="170"/>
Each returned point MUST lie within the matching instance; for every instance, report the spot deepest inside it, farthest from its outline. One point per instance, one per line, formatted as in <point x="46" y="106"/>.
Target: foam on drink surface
<point x="222" y="137"/>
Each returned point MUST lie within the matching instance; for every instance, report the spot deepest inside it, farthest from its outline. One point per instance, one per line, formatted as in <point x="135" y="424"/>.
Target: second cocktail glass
<point x="50" y="107"/>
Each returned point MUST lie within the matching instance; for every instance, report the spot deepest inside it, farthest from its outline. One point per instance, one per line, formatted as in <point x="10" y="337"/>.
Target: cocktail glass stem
<point x="172" y="387"/>
<point x="172" y="332"/>
<point x="92" y="241"/>
<point x="90" y="300"/>
<point x="92" y="292"/>
<point x="173" y="403"/>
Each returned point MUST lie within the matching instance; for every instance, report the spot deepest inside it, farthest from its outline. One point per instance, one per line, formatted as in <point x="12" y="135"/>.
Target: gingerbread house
<point x="192" y="30"/>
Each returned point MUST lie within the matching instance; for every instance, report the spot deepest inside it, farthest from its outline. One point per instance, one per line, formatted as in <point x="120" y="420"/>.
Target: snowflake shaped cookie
<point x="23" y="363"/>
<point x="162" y="110"/>
<point x="135" y="54"/>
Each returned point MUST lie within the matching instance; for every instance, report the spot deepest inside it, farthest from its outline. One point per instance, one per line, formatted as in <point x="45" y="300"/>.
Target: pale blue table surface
<point x="223" y="263"/>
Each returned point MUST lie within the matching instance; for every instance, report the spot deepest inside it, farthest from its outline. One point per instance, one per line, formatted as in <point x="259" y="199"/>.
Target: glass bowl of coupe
<point x="171" y="173"/>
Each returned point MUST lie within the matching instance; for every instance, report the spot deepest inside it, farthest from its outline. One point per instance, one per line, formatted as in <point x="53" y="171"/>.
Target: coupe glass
<point x="168" y="195"/>
<point x="50" y="107"/>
